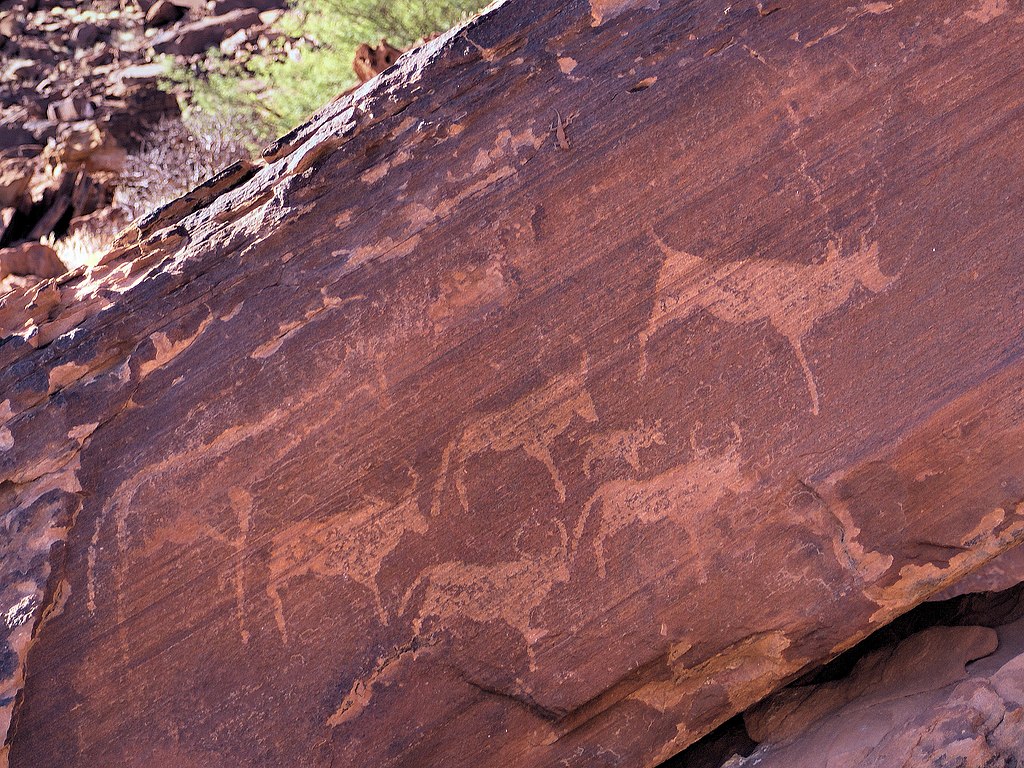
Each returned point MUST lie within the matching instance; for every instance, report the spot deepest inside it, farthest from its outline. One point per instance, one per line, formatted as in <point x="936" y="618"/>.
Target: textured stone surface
<point x="195" y="37"/>
<point x="1000" y="573"/>
<point x="550" y="399"/>
<point x="30" y="259"/>
<point x="919" y="704"/>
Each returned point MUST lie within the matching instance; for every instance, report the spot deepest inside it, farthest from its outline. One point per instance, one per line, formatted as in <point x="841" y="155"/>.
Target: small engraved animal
<point x="507" y="591"/>
<point x="532" y="424"/>
<point x="681" y="494"/>
<point x="352" y="544"/>
<point x="622" y="445"/>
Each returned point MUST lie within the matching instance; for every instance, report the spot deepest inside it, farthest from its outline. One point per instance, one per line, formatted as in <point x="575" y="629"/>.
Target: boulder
<point x="11" y="27"/>
<point x="15" y="177"/>
<point x="85" y="145"/>
<point x="7" y="216"/>
<point x="34" y="259"/>
<point x="369" y="61"/>
<point x="571" y="386"/>
<point x="140" y="73"/>
<point x="84" y="35"/>
<point x="232" y="45"/>
<point x="71" y="109"/>
<point x="164" y="12"/>
<point x="944" y="696"/>
<point x="226" y="6"/>
<point x="198" y="36"/>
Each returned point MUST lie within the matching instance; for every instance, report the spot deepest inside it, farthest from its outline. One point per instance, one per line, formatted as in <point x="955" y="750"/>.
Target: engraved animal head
<point x="867" y="269"/>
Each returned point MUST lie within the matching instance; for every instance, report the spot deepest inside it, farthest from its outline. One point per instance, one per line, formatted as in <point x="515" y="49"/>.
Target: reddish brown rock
<point x="30" y="259"/>
<point x="919" y="705"/>
<point x="85" y="146"/>
<point x="197" y="36"/>
<point x="558" y="394"/>
<point x="999" y="574"/>
<point x="15" y="177"/>
<point x="84" y="35"/>
<point x="164" y="12"/>
<point x="369" y="62"/>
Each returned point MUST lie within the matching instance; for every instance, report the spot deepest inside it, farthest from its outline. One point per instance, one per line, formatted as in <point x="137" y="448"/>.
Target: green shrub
<point x="272" y="93"/>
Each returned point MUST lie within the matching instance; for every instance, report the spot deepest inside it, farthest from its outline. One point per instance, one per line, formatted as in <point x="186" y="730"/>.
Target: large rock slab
<point x="560" y="393"/>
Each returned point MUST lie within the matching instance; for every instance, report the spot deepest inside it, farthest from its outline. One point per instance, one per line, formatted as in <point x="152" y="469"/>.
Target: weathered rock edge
<point x="550" y="399"/>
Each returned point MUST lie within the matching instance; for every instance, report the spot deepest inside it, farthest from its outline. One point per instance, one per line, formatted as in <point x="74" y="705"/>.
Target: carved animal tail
<point x="581" y="524"/>
<point x="811" y="386"/>
<point x="442" y="478"/>
<point x="275" y="598"/>
<point x="409" y="594"/>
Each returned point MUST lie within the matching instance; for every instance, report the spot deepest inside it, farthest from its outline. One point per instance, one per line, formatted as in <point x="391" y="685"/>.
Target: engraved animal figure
<point x="508" y="591"/>
<point x="351" y="544"/>
<point x="792" y="297"/>
<point x="680" y="493"/>
<point x="532" y="423"/>
<point x="622" y="445"/>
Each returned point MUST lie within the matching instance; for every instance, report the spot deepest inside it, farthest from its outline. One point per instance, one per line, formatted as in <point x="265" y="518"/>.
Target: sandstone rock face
<point x="557" y="395"/>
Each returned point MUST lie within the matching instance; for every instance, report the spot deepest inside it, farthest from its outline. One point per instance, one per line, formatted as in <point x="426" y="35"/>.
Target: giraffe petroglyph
<point x="680" y="493"/>
<point x="351" y="544"/>
<point x="792" y="297"/>
<point x="507" y="591"/>
<point x="532" y="423"/>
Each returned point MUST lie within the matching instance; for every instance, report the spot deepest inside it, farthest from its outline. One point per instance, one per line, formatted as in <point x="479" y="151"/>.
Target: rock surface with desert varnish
<point x="550" y="399"/>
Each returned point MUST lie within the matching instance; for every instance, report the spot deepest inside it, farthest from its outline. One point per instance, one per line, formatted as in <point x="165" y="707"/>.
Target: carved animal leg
<point x="442" y="477"/>
<point x="407" y="597"/>
<point x="580" y="525"/>
<point x="811" y="386"/>
<point x="382" y="612"/>
<point x="642" y="368"/>
<point x="460" y="483"/>
<point x="599" y="554"/>
<point x="543" y="455"/>
<point x="275" y="598"/>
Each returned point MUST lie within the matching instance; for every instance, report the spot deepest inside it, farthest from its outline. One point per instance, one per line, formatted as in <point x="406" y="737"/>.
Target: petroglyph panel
<point x="458" y="268"/>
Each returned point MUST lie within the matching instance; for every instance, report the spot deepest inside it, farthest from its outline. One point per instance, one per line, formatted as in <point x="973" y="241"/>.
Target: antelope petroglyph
<point x="681" y="494"/>
<point x="507" y="591"/>
<point x="352" y="544"/>
<point x="792" y="297"/>
<point x="532" y="423"/>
